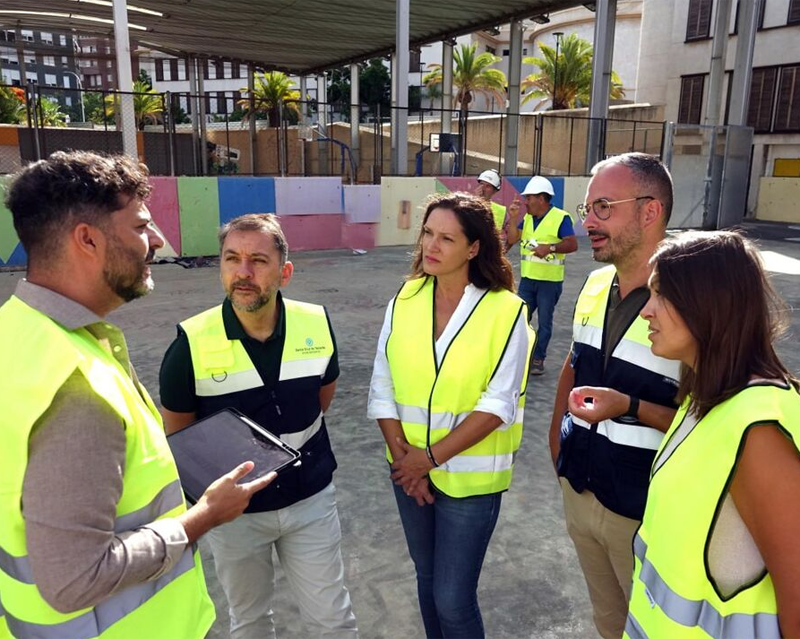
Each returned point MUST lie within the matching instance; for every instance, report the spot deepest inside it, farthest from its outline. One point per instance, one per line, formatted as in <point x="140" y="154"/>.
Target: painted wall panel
<point x="362" y="203"/>
<point x="574" y="194"/>
<point x="359" y="236"/>
<point x="199" y="215"/>
<point x="164" y="208"/>
<point x="395" y="191"/>
<point x="240" y="195"/>
<point x="777" y="199"/>
<point x="308" y="196"/>
<point x="8" y="236"/>
<point x="309" y="232"/>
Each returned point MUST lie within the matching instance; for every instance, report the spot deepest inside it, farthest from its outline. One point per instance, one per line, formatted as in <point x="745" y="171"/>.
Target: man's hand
<point x="513" y="211"/>
<point x="606" y="403"/>
<point x="223" y="501"/>
<point x="412" y="467"/>
<point x="542" y="251"/>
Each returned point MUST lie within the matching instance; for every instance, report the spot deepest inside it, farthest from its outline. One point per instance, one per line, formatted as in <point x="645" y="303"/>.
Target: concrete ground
<point x="531" y="585"/>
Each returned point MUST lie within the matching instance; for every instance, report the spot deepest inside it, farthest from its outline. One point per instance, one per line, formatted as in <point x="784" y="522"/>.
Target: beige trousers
<point x="604" y="543"/>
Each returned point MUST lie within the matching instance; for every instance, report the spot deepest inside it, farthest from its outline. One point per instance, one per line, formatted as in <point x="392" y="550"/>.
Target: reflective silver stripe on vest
<point x="169" y="497"/>
<point x="18" y="568"/>
<point x="589" y="335"/>
<point x="479" y="463"/>
<point x="448" y="421"/>
<point x="105" y="614"/>
<point x="296" y="440"/>
<point x="554" y="262"/>
<point x="641" y="355"/>
<point x="224" y="383"/>
<point x="625" y="434"/>
<point x="298" y="368"/>
<point x="633" y="629"/>
<point x="739" y="625"/>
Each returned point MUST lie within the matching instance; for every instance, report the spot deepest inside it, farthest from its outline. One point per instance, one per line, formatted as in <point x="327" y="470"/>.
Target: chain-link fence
<point x="230" y="133"/>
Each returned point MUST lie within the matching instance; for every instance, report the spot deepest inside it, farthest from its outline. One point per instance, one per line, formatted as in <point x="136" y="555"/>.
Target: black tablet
<point x="215" y="445"/>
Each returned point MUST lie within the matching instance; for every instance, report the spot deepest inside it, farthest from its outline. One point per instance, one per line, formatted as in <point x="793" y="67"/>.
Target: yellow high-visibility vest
<point x="434" y="399"/>
<point x="551" y="268"/>
<point x="174" y="605"/>
<point x="673" y="595"/>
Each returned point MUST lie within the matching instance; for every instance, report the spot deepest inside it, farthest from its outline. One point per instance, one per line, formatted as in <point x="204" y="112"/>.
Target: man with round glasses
<point x="614" y="399"/>
<point x="546" y="235"/>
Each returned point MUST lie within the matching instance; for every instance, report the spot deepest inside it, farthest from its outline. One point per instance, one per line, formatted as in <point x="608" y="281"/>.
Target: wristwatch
<point x="552" y="248"/>
<point x="633" y="409"/>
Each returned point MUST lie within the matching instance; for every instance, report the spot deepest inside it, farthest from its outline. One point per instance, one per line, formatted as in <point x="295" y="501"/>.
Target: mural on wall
<point x="316" y="213"/>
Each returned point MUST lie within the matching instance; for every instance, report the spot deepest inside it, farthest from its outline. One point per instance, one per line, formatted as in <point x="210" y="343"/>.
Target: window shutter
<point x="691" y="101"/>
<point x="794" y="12"/>
<point x="159" y="70"/>
<point x="699" y="20"/>
<point x="787" y="115"/>
<point x="762" y="97"/>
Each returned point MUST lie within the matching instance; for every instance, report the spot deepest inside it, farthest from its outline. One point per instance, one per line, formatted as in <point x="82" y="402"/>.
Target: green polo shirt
<point x="176" y="378"/>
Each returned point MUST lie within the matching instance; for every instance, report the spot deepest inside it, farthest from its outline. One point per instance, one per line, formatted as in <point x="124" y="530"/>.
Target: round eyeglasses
<point x="602" y="207"/>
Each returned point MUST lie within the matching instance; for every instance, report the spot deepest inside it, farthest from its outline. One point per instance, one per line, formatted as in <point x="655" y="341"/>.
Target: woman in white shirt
<point x="448" y="391"/>
<point x="717" y="552"/>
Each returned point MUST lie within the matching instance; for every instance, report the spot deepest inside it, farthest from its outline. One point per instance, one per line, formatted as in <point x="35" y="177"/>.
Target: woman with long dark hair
<point x="717" y="552"/>
<point x="448" y="391"/>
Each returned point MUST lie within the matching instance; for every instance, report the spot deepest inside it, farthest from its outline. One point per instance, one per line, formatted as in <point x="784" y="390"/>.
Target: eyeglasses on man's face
<point x="602" y="207"/>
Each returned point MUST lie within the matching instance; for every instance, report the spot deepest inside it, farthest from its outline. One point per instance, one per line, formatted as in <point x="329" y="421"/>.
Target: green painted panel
<point x="198" y="199"/>
<point x="8" y="236"/>
<point x="441" y="188"/>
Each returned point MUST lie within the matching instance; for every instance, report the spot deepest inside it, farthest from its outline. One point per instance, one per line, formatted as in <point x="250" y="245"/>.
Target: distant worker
<point x="547" y="235"/>
<point x="275" y="360"/>
<point x="489" y="183"/>
<point x="96" y="540"/>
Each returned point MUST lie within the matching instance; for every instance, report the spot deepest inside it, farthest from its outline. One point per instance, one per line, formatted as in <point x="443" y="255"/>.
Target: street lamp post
<point x="80" y="93"/>
<point x="558" y="35"/>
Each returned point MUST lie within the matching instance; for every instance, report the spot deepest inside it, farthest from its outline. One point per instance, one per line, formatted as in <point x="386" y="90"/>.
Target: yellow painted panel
<point x="786" y="167"/>
<point x="402" y="200"/>
<point x="777" y="200"/>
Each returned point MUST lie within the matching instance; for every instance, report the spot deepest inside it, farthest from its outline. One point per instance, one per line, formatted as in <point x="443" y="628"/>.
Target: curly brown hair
<point x="490" y="268"/>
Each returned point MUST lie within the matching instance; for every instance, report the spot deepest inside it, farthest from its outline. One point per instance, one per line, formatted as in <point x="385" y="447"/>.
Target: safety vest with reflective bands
<point x="432" y="399"/>
<point x="44" y="356"/>
<point x="672" y="594"/>
<point x="551" y="268"/>
<point x="225" y="376"/>
<point x="499" y="214"/>
<point x="613" y="458"/>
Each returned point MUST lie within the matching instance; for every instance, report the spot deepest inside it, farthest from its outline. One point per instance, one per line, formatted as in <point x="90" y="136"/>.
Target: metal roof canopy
<point x="302" y="38"/>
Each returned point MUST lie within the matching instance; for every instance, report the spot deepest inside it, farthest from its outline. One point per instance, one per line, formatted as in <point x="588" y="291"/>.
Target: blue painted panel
<point x="18" y="257"/>
<point x="240" y="195"/>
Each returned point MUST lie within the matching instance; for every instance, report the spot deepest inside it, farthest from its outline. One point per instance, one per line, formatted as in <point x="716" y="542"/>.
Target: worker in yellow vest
<point x="448" y="392"/>
<point x="489" y="184"/>
<point x="95" y="537"/>
<point x="546" y="236"/>
<point x="717" y="553"/>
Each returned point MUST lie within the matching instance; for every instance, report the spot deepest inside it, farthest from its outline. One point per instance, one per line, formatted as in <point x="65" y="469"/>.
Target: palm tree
<point x="12" y="105"/>
<point x="472" y="74"/>
<point x="269" y="91"/>
<point x="148" y="104"/>
<point x="573" y="84"/>
<point x="49" y="112"/>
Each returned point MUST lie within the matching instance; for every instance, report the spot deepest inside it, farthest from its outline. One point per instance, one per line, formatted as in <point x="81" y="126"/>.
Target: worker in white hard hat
<point x="546" y="235"/>
<point x="489" y="183"/>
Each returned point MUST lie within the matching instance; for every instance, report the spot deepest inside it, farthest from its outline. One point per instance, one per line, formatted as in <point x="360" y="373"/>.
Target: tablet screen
<point x="215" y="445"/>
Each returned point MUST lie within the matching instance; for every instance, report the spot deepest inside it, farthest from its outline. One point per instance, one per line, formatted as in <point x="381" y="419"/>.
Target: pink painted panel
<point x="163" y="205"/>
<point x="310" y="232"/>
<point x="360" y="236"/>
<point x="505" y="197"/>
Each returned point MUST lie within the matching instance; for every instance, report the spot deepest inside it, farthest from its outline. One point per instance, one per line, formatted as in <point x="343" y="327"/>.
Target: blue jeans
<point x="543" y="296"/>
<point x="447" y="542"/>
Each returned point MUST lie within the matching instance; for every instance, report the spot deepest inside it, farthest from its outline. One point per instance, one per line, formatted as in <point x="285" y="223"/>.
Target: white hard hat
<point x="490" y="176"/>
<point x="538" y="184"/>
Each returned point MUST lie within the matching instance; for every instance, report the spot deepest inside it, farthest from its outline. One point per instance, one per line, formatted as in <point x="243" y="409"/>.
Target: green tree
<point x="472" y="74"/>
<point x="269" y="91"/>
<point x="148" y="105"/>
<point x="375" y="84"/>
<point x="49" y="112"/>
<point x="571" y="76"/>
<point x="95" y="109"/>
<point x="144" y="78"/>
<point x="12" y="105"/>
